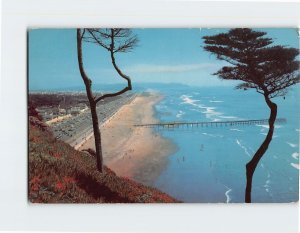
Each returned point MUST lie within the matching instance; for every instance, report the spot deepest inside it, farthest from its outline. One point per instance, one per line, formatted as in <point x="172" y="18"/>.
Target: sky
<point x="161" y="56"/>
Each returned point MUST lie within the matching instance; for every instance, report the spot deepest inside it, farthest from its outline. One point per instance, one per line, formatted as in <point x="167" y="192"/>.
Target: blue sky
<point x="162" y="55"/>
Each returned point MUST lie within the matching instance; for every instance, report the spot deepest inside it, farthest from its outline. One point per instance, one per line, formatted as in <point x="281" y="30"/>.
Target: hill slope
<point x="60" y="174"/>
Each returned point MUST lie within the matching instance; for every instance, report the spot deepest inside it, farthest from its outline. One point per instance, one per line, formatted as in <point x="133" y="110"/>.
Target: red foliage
<point x="60" y="186"/>
<point x="56" y="155"/>
<point x="34" y="139"/>
<point x="35" y="183"/>
<point x="69" y="180"/>
<point x="73" y="177"/>
<point x="63" y="184"/>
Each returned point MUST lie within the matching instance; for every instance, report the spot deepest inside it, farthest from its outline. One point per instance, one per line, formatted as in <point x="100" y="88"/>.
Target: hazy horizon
<point x="136" y="86"/>
<point x="162" y="56"/>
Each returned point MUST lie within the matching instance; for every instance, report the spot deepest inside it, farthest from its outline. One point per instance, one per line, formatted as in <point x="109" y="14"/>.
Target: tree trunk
<point x="92" y="102"/>
<point x="252" y="164"/>
<point x="97" y="136"/>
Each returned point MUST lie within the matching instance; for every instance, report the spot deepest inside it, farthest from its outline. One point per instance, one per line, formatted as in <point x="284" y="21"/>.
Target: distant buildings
<point x="69" y="117"/>
<point x="79" y="108"/>
<point x="49" y="113"/>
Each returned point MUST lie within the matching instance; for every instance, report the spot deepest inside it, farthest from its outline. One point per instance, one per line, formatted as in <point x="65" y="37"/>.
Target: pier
<point x="172" y="125"/>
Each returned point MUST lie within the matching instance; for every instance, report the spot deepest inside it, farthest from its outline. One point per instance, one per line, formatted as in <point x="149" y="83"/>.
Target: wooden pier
<point x="172" y="125"/>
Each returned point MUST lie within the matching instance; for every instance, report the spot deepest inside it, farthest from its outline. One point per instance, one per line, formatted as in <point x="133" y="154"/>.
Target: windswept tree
<point x="114" y="41"/>
<point x="270" y="70"/>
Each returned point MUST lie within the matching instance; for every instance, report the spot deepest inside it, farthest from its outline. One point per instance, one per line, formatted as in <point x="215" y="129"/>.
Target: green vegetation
<point x="60" y="174"/>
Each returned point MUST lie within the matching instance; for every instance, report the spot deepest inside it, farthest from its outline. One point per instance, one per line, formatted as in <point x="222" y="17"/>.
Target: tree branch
<point x="112" y="94"/>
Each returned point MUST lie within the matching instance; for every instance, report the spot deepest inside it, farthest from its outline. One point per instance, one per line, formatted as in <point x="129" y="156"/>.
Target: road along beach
<point x="134" y="152"/>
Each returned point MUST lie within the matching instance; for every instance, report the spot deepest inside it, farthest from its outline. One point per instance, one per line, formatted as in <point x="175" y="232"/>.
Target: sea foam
<point x="239" y="130"/>
<point x="265" y="134"/>
<point x="187" y="100"/>
<point x="180" y="113"/>
<point x="209" y="112"/>
<point x="229" y="117"/>
<point x="291" y="144"/>
<point x="295" y="165"/>
<point x="228" y="198"/>
<point x="213" y="135"/>
<point x="243" y="147"/>
<point x="295" y="155"/>
<point x="267" y="126"/>
<point x="216" y="101"/>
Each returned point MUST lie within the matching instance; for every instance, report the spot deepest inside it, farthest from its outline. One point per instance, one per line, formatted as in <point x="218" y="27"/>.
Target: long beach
<point x="133" y="152"/>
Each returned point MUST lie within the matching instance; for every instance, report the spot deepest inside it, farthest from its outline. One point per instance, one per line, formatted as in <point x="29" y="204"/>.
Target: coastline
<point x="135" y="152"/>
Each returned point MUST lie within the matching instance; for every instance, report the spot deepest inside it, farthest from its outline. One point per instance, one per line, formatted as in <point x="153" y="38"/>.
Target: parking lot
<point x="77" y="128"/>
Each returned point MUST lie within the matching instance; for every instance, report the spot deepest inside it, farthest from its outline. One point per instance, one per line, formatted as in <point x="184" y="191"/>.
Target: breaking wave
<point x="291" y="144"/>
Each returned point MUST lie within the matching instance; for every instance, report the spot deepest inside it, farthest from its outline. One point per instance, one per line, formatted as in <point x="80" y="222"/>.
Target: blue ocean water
<point x="209" y="165"/>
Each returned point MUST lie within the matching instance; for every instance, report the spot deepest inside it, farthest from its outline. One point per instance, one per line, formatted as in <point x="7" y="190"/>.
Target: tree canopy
<point x="112" y="39"/>
<point x="253" y="60"/>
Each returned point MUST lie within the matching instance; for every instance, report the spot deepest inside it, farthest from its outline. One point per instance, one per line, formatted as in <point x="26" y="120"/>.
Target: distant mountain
<point x="137" y="87"/>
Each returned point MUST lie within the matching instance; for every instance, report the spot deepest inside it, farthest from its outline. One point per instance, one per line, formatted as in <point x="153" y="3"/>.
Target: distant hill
<point x="137" y="87"/>
<point x="60" y="174"/>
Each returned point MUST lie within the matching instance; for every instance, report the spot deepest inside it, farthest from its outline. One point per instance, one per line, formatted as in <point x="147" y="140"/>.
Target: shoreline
<point x="134" y="152"/>
<point x="101" y="125"/>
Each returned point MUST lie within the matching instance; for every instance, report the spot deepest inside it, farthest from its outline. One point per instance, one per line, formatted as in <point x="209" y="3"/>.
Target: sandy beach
<point x="134" y="152"/>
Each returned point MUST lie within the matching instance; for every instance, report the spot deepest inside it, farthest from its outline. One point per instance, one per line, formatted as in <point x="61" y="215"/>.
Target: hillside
<point x="60" y="174"/>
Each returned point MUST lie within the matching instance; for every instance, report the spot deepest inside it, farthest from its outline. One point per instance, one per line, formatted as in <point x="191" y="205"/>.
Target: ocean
<point x="209" y="165"/>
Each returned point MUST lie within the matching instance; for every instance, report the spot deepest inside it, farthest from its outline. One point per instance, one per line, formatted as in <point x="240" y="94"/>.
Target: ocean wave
<point x="267" y="126"/>
<point x="265" y="134"/>
<point x="229" y="117"/>
<point x="243" y="147"/>
<point x="216" y="101"/>
<point x="267" y="183"/>
<point x="295" y="155"/>
<point x="228" y="198"/>
<point x="267" y="190"/>
<point x="180" y="113"/>
<point x="291" y="144"/>
<point x="213" y="135"/>
<point x="210" y="112"/>
<point x="187" y="100"/>
<point x="295" y="165"/>
<point x="239" y="130"/>
<point x="207" y="109"/>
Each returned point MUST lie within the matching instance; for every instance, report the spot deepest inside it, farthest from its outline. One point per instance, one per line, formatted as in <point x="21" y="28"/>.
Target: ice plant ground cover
<point x="60" y="174"/>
